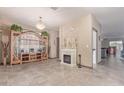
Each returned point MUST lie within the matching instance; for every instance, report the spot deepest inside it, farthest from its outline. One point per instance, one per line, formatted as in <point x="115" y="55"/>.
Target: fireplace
<point x="67" y="59"/>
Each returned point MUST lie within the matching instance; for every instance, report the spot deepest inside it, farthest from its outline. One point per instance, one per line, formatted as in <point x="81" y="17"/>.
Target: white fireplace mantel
<point x="72" y="53"/>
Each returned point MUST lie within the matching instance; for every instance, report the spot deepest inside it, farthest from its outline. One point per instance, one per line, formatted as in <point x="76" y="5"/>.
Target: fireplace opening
<point x="67" y="59"/>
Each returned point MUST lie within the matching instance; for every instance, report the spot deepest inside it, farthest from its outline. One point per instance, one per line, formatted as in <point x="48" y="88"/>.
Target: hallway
<point x="112" y="68"/>
<point x="108" y="72"/>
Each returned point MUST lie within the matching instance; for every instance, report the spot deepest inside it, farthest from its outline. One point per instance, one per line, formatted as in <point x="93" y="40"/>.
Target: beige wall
<point x="68" y="36"/>
<point x="53" y="43"/>
<point x="84" y="40"/>
<point x="81" y="32"/>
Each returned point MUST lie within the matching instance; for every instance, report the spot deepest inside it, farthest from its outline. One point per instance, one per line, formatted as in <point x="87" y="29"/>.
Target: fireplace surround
<point x="68" y="57"/>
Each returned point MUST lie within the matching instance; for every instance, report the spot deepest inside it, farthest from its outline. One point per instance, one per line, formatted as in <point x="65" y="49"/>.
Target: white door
<point x="94" y="46"/>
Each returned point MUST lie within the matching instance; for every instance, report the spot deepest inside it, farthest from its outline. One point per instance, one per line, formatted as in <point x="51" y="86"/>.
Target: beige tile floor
<point x="109" y="72"/>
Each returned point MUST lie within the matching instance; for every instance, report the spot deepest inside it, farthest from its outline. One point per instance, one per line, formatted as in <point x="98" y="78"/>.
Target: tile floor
<point x="51" y="72"/>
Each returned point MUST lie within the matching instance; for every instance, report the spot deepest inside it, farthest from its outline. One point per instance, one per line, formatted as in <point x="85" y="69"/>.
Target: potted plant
<point x="16" y="28"/>
<point x="44" y="33"/>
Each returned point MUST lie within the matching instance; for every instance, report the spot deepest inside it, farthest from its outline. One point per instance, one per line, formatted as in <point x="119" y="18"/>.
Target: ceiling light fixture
<point x="40" y="25"/>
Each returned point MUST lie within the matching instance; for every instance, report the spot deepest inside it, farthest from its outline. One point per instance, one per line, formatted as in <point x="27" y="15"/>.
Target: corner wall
<point x="53" y="43"/>
<point x="81" y="31"/>
<point x="84" y="41"/>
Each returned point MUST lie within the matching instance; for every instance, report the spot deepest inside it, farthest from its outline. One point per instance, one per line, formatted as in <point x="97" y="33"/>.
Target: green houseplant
<point x="44" y="33"/>
<point x="16" y="28"/>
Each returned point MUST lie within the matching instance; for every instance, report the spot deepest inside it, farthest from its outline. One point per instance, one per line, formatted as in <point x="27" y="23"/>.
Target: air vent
<point x="54" y="8"/>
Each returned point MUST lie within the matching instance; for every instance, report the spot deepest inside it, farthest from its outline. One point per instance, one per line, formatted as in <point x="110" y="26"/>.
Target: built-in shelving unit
<point x="13" y="58"/>
<point x="31" y="57"/>
<point x="28" y="47"/>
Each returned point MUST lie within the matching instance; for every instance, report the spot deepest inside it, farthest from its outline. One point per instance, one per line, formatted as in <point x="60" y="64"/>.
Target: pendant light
<point x="40" y="25"/>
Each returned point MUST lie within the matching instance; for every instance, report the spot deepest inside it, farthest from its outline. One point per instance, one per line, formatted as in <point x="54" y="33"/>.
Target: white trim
<point x="72" y="53"/>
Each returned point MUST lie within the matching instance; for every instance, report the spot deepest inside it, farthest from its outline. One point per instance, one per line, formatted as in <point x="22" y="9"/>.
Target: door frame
<point x="57" y="47"/>
<point x="94" y="29"/>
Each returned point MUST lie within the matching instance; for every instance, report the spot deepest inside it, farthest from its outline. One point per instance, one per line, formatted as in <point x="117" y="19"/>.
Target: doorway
<point x="116" y="48"/>
<point x="57" y="47"/>
<point x="94" y="46"/>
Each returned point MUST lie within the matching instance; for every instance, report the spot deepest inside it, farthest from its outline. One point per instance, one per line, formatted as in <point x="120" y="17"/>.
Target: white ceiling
<point x="111" y="19"/>
<point x="30" y="16"/>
